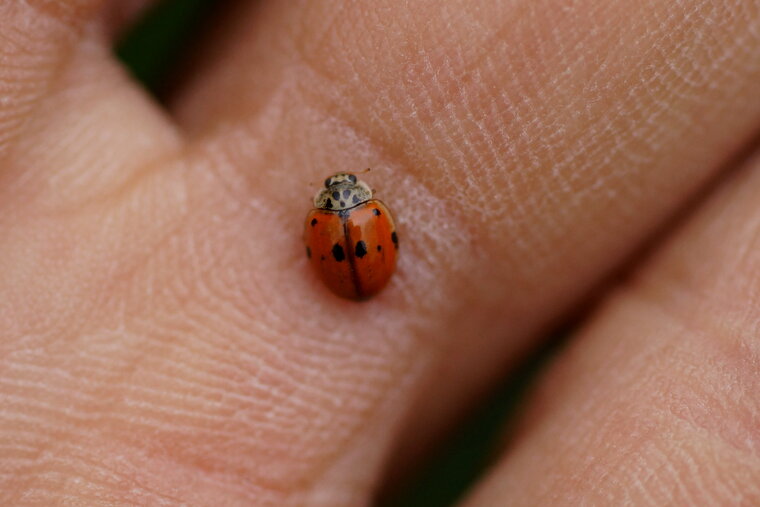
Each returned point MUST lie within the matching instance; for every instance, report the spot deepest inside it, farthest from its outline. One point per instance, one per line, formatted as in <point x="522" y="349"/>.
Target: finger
<point x="38" y="37"/>
<point x="76" y="127"/>
<point x="34" y="41"/>
<point x="91" y="135"/>
<point x="657" y="401"/>
<point x="198" y="356"/>
<point x="528" y="149"/>
<point x="122" y="13"/>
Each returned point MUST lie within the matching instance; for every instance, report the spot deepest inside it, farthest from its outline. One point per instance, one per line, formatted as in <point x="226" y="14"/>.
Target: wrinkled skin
<point x="164" y="340"/>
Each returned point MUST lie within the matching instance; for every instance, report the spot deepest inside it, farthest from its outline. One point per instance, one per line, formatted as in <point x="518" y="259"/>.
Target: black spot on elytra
<point x="346" y="193"/>
<point x="336" y="195"/>
<point x="361" y="249"/>
<point x="313" y="222"/>
<point x="328" y="203"/>
<point x="338" y="253"/>
<point x="376" y="212"/>
<point x="394" y="238"/>
<point x="379" y="247"/>
<point x="355" y="200"/>
<point x="342" y="204"/>
<point x="308" y="252"/>
<point x="321" y="257"/>
<point x="352" y="178"/>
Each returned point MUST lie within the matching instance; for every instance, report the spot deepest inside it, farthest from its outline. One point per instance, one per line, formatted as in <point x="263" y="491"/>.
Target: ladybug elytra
<point x="350" y="238"/>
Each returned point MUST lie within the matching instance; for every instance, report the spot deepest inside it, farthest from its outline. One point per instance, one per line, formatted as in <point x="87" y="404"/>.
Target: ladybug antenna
<point x="365" y="171"/>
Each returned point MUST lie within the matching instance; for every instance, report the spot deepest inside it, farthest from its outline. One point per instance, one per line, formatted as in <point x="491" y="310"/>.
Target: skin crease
<point x="164" y="340"/>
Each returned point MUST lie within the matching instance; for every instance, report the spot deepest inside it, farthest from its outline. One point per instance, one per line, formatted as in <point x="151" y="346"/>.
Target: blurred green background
<point x="153" y="50"/>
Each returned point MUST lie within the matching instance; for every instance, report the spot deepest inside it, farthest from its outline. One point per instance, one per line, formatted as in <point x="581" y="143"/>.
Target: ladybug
<point x="350" y="237"/>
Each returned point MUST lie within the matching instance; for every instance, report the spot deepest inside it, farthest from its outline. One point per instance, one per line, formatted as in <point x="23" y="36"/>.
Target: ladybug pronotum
<point x="351" y="239"/>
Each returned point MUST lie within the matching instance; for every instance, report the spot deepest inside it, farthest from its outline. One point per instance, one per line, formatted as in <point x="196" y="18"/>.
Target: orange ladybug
<point x="350" y="238"/>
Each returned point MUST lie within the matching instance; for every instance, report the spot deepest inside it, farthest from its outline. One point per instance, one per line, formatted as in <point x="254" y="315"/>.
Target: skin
<point x="164" y="339"/>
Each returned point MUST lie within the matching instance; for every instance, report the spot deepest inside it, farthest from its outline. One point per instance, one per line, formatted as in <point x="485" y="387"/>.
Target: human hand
<point x="164" y="341"/>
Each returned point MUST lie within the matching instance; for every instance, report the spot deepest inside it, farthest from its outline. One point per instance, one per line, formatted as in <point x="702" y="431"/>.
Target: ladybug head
<point x="342" y="191"/>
